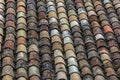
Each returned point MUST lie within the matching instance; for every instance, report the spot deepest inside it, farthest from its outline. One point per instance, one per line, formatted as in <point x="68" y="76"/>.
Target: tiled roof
<point x="60" y="40"/>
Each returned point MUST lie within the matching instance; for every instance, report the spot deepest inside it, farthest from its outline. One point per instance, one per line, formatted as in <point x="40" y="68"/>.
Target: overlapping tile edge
<point x="59" y="40"/>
